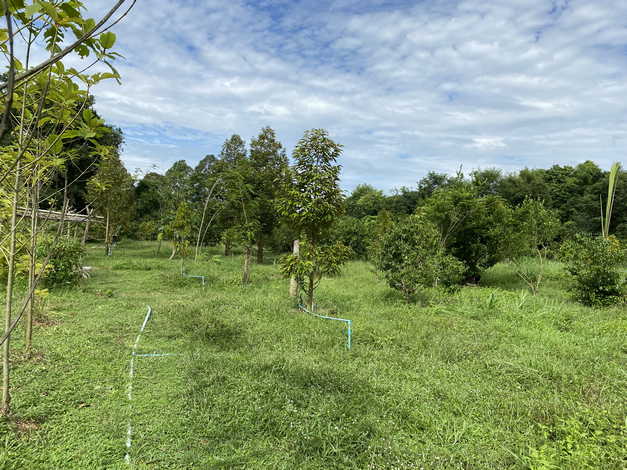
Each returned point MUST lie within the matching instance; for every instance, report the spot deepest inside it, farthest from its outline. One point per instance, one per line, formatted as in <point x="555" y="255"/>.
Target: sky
<point x="406" y="87"/>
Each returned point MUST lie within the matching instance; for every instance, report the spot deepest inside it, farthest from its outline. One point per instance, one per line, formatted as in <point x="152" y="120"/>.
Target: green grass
<point x="490" y="377"/>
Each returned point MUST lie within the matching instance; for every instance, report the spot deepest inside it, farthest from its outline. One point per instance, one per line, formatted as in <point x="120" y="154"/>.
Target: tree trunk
<point x="247" y="261"/>
<point x="310" y="294"/>
<point x="227" y="247"/>
<point x="86" y="232"/>
<point x="159" y="246"/>
<point x="6" y="360"/>
<point x="293" y="281"/>
<point x="107" y="235"/>
<point x="202" y="221"/>
<point x="33" y="264"/>
<point x="174" y="250"/>
<point x="260" y="251"/>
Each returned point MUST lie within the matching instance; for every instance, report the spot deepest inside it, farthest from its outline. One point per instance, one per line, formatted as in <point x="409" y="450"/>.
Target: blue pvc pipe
<point x="349" y="323"/>
<point x="202" y="278"/>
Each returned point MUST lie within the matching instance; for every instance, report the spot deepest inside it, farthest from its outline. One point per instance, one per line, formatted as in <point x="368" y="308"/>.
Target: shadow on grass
<point x="316" y="413"/>
<point x="210" y="330"/>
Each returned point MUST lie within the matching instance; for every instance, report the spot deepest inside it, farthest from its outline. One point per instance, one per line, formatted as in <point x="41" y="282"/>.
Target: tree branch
<point x="54" y="59"/>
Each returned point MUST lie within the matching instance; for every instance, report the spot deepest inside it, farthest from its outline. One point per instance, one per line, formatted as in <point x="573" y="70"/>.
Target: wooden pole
<point x="293" y="281"/>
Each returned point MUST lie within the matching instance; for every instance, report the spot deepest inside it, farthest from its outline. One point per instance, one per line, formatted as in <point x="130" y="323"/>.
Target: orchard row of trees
<point x="252" y="197"/>
<point x="572" y="193"/>
<point x="459" y="225"/>
<point x="228" y="198"/>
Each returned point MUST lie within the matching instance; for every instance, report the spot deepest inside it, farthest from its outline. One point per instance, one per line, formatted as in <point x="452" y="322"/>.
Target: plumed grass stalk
<point x="611" y="191"/>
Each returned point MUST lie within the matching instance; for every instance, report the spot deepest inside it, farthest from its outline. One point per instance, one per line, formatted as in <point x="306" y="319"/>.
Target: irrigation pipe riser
<point x="184" y="274"/>
<point x="131" y="374"/>
<point x="349" y="323"/>
<point x="202" y="278"/>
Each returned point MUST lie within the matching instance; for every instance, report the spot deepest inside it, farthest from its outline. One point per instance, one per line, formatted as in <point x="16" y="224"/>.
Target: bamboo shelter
<point x="43" y="214"/>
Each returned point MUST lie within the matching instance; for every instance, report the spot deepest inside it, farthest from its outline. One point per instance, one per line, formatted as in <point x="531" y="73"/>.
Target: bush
<point x="64" y="265"/>
<point x="147" y="230"/>
<point x="412" y="258"/>
<point x="353" y="233"/>
<point x="594" y="266"/>
<point x="312" y="264"/>
<point x="475" y="229"/>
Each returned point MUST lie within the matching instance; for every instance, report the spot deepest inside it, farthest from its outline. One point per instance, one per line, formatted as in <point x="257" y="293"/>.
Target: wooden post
<point x="247" y="257"/>
<point x="86" y="232"/>
<point x="293" y="281"/>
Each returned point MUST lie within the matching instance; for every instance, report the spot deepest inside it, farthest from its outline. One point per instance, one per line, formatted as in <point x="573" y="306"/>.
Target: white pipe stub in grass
<point x="131" y="374"/>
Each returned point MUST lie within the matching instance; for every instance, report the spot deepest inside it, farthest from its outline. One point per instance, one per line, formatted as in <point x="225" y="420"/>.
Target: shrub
<point x="353" y="233"/>
<point x="313" y="263"/>
<point x="179" y="230"/>
<point x="594" y="266"/>
<point x="412" y="258"/>
<point x="475" y="229"/>
<point x="147" y="230"/>
<point x="536" y="227"/>
<point x="64" y="265"/>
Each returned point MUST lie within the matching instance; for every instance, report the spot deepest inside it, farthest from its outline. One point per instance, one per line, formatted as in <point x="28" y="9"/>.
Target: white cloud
<point x="446" y="82"/>
<point x="488" y="143"/>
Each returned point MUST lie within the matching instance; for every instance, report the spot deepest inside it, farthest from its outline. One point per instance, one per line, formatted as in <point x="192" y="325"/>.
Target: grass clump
<point x="579" y="442"/>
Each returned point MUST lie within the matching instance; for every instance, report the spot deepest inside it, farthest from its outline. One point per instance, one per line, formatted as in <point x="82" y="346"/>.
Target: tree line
<point x="457" y="225"/>
<point x="218" y="185"/>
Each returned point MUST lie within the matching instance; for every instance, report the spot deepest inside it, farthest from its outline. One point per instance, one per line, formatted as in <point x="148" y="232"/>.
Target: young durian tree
<point x="310" y="201"/>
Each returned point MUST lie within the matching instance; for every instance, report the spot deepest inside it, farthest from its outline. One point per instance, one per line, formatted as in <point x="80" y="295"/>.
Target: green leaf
<point x="59" y="68"/>
<point x="50" y="9"/>
<point x="70" y="134"/>
<point x="16" y="5"/>
<point x="82" y="50"/>
<point x="115" y="72"/>
<point x="70" y="11"/>
<point x="107" y="40"/>
<point x="57" y="146"/>
<point x="89" y="25"/>
<point x="32" y="10"/>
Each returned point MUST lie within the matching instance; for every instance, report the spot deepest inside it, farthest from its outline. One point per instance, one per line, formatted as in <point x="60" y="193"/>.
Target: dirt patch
<point x="32" y="357"/>
<point x="25" y="426"/>
<point x="45" y="321"/>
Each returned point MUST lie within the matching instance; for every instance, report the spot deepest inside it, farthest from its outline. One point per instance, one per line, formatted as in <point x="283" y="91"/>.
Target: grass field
<point x="487" y="378"/>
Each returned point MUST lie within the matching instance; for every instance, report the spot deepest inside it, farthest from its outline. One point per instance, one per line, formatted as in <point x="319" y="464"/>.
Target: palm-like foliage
<point x="611" y="192"/>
